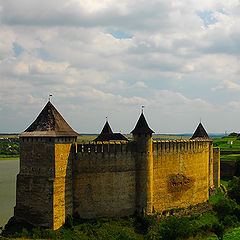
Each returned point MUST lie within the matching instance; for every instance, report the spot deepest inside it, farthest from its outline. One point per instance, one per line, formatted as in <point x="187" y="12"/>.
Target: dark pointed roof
<point x="200" y="132"/>
<point x="142" y="126"/>
<point x="49" y="123"/>
<point x="106" y="129"/>
<point x="108" y="135"/>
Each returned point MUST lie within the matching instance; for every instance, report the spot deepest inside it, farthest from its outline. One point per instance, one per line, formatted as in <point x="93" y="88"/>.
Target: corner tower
<point x="44" y="186"/>
<point x="142" y="136"/>
<point x="201" y="133"/>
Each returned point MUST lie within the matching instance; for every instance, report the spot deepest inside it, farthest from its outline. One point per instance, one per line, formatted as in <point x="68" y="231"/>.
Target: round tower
<point x="142" y="137"/>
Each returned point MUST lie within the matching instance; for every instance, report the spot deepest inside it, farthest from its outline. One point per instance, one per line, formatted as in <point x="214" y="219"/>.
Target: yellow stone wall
<point x="180" y="173"/>
<point x="62" y="184"/>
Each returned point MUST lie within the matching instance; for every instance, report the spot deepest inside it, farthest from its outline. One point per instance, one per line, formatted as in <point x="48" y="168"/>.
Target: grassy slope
<point x="224" y="146"/>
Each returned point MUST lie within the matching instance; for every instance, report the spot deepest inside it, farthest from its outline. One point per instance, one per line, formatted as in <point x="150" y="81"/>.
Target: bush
<point x="174" y="228"/>
<point x="234" y="189"/>
<point x="224" y="207"/>
<point x="233" y="134"/>
<point x="219" y="230"/>
<point x="144" y="222"/>
<point x="230" y="220"/>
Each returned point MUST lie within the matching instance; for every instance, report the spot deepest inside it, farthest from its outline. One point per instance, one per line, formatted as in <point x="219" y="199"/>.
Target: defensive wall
<point x="105" y="176"/>
<point x="59" y="177"/>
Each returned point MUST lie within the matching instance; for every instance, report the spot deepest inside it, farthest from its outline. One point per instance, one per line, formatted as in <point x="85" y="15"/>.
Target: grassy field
<point x="223" y="143"/>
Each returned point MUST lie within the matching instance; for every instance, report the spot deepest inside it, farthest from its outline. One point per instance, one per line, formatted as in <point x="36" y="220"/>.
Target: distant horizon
<point x="174" y="134"/>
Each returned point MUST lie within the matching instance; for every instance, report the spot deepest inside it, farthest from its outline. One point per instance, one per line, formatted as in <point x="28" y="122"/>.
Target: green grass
<point x="230" y="157"/>
<point x="231" y="234"/>
<point x="225" y="182"/>
<point x="214" y="199"/>
<point x="222" y="143"/>
<point x="9" y="158"/>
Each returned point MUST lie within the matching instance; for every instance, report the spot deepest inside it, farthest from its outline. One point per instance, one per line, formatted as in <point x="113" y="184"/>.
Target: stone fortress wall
<point x="105" y="175"/>
<point x="59" y="177"/>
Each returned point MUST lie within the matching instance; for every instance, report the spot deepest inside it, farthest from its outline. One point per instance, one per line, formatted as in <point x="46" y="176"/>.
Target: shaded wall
<point x="104" y="180"/>
<point x="34" y="194"/>
<point x="44" y="183"/>
<point x="216" y="167"/>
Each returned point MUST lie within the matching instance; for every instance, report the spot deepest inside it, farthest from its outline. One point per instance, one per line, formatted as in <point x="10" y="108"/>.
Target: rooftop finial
<point x="49" y="97"/>
<point x="200" y="120"/>
<point x="143" y="108"/>
<point x="106" y="119"/>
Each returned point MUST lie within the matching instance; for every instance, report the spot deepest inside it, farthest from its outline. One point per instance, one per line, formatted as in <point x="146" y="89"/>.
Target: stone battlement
<point x="60" y="176"/>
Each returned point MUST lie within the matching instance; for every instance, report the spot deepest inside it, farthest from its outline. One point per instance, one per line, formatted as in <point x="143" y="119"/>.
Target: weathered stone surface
<point x="58" y="177"/>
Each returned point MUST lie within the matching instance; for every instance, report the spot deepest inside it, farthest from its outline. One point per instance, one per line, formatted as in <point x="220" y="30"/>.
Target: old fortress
<point x="111" y="176"/>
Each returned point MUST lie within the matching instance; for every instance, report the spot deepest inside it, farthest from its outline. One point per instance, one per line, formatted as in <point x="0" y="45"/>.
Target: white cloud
<point x="227" y="85"/>
<point x="172" y="63"/>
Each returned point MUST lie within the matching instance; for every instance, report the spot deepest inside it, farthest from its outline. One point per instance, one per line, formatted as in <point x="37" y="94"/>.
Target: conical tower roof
<point x="142" y="126"/>
<point x="200" y="132"/>
<point x="108" y="135"/>
<point x="106" y="129"/>
<point x="49" y="123"/>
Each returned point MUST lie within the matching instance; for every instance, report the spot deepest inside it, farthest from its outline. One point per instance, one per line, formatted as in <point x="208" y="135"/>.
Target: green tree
<point x="234" y="189"/>
<point x="219" y="230"/>
<point x="175" y="228"/>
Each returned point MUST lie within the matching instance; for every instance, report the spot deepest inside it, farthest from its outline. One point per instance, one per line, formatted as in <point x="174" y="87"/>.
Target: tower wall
<point x="216" y="167"/>
<point x="42" y="197"/>
<point x="144" y="172"/>
<point x="34" y="189"/>
<point x="104" y="180"/>
<point x="180" y="173"/>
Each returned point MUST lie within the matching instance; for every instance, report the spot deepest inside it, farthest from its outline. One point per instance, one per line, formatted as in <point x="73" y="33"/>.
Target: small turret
<point x="200" y="132"/>
<point x="142" y="137"/>
<point x="108" y="135"/>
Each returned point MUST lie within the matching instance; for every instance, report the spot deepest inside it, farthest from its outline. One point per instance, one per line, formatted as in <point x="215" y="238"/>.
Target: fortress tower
<point x="44" y="183"/>
<point x="142" y="137"/>
<point x="110" y="176"/>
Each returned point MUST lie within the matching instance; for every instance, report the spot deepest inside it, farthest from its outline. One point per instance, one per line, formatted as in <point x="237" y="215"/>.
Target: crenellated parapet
<point x="174" y="146"/>
<point x="105" y="147"/>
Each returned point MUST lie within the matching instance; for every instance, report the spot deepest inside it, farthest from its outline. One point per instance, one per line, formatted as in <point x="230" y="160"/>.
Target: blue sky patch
<point x="119" y="34"/>
<point x="207" y="17"/>
<point x="44" y="55"/>
<point x="17" y="49"/>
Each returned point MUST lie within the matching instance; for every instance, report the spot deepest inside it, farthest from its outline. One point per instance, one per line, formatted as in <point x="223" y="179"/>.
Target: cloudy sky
<point x="98" y="58"/>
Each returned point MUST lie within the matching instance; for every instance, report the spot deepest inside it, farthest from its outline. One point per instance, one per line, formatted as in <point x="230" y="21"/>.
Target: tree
<point x="234" y="189"/>
<point x="219" y="230"/>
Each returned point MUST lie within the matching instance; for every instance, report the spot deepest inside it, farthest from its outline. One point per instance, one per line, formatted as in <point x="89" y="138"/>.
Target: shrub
<point x="173" y="228"/>
<point x="224" y="207"/>
<point x="230" y="220"/>
<point x="234" y="189"/>
<point x="144" y="222"/>
<point x="219" y="230"/>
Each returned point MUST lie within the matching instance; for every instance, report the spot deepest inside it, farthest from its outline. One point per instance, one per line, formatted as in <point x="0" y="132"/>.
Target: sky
<point x="98" y="58"/>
